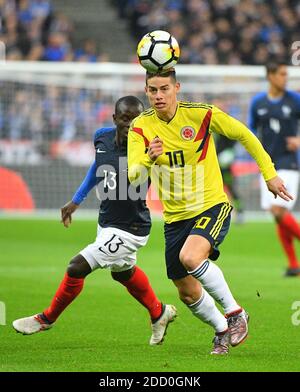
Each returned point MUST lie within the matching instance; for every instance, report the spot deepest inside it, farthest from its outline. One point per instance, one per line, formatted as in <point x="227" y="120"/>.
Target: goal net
<point x="50" y="111"/>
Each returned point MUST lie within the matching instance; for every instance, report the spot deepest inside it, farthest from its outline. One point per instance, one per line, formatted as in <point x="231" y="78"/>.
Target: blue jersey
<point x="274" y="120"/>
<point x="122" y="205"/>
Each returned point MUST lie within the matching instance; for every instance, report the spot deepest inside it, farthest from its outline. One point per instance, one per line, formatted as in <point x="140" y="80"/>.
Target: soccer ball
<point x="158" y="51"/>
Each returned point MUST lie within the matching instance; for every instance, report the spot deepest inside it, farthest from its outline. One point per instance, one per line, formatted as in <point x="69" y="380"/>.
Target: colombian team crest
<point x="187" y="133"/>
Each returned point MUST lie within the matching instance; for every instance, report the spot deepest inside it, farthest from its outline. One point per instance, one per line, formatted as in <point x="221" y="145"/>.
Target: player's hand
<point x="293" y="143"/>
<point x="277" y="187"/>
<point x="155" y="148"/>
<point x="66" y="213"/>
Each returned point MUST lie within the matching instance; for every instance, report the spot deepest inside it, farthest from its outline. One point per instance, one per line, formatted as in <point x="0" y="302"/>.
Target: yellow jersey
<point x="187" y="175"/>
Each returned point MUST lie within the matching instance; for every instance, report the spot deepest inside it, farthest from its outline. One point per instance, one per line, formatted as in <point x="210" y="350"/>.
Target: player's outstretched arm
<point x="277" y="187"/>
<point x="233" y="129"/>
<point x="67" y="211"/>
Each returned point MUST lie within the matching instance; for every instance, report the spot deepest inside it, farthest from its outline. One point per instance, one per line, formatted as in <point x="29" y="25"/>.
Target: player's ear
<point x="177" y="87"/>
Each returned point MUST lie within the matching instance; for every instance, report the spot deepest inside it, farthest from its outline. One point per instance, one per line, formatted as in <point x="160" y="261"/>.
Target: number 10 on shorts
<point x="202" y="222"/>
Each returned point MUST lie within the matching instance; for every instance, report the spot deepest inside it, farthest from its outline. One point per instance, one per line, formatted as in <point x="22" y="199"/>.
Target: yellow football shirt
<point x="187" y="175"/>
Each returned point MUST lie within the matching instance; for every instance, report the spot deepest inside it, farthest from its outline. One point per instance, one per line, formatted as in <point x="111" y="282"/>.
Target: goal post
<point x="50" y="111"/>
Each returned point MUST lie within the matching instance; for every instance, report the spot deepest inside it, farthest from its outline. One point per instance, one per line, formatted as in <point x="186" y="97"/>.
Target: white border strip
<point x="135" y="69"/>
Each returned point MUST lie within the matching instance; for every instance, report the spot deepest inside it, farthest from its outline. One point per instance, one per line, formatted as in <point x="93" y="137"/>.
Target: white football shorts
<point x="291" y="181"/>
<point x="114" y="249"/>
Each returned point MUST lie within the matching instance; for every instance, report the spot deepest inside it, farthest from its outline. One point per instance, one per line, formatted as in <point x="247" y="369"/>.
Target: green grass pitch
<point x="107" y="330"/>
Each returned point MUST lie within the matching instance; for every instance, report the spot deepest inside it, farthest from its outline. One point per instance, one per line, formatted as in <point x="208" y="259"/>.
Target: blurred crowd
<point x="220" y="31"/>
<point x="47" y="113"/>
<point x="44" y="113"/>
<point x="209" y="32"/>
<point x="32" y="30"/>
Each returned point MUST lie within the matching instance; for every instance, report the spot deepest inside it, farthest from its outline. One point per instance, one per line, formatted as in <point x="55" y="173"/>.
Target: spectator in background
<point x="24" y="13"/>
<point x="14" y="38"/>
<point x="7" y="7"/>
<point x="88" y="52"/>
<point x="57" y="48"/>
<point x="60" y="23"/>
<point x="40" y="9"/>
<point x="19" y="116"/>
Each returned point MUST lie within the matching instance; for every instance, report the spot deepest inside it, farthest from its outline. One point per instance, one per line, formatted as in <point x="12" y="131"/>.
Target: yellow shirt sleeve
<point x="228" y="126"/>
<point x="139" y="162"/>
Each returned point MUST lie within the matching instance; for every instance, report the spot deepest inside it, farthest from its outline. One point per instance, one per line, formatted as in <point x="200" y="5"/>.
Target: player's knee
<point x="122" y="276"/>
<point x="189" y="260"/>
<point x="78" y="267"/>
<point x="278" y="212"/>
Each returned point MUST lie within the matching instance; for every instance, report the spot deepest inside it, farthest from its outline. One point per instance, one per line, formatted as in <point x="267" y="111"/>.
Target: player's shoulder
<point x="257" y="98"/>
<point x="194" y="105"/>
<point x="103" y="132"/>
<point x="146" y="113"/>
<point x="144" y="116"/>
<point x="294" y="95"/>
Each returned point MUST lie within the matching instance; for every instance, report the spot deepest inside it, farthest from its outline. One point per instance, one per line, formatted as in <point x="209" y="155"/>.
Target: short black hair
<point x="273" y="66"/>
<point x="129" y="100"/>
<point x="163" y="74"/>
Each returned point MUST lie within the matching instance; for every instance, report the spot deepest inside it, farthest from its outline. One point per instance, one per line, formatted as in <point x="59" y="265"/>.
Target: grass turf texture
<point x="105" y="329"/>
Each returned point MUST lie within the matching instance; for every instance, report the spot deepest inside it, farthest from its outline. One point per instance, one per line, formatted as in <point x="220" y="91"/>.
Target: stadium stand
<point x="36" y="30"/>
<point x="209" y="32"/>
<point x="219" y="32"/>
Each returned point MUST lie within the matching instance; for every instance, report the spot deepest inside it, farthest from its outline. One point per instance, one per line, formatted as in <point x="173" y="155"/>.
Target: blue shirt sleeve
<point x="87" y="184"/>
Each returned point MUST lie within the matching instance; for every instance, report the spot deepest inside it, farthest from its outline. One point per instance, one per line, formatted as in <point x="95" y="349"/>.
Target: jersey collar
<point x="168" y="122"/>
